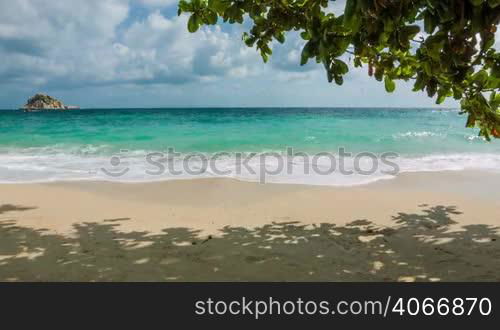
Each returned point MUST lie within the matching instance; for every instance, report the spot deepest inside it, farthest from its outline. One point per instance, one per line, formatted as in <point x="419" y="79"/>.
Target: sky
<point x="138" y="53"/>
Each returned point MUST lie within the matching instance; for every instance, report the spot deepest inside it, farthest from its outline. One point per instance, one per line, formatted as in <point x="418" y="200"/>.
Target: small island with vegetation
<point x="41" y="102"/>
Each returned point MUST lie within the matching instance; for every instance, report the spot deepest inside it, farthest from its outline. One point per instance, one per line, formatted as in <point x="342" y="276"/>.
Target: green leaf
<point x="411" y="30"/>
<point x="351" y="18"/>
<point x="211" y="17"/>
<point x="193" y="23"/>
<point x="494" y="3"/>
<point x="390" y="85"/>
<point x="280" y="37"/>
<point x="218" y="6"/>
<point x="430" y="22"/>
<point x="184" y="7"/>
<point x="480" y="77"/>
<point x="341" y="67"/>
<point x="306" y="53"/>
<point x="440" y="99"/>
<point x="471" y="121"/>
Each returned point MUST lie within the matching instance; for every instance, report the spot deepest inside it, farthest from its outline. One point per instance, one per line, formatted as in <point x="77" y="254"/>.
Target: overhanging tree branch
<point x="454" y="58"/>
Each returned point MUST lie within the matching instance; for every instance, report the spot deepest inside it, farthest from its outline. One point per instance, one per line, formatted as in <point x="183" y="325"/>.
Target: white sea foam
<point x="419" y="134"/>
<point x="27" y="166"/>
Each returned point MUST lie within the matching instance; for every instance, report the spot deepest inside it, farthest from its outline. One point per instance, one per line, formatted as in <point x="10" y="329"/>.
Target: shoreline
<point x="462" y="173"/>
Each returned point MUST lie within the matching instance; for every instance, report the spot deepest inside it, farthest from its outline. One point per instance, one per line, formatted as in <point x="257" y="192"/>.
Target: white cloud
<point x="97" y="42"/>
<point x="59" y="39"/>
<point x="108" y="47"/>
<point x="78" y="43"/>
<point x="180" y="55"/>
<point x="158" y="3"/>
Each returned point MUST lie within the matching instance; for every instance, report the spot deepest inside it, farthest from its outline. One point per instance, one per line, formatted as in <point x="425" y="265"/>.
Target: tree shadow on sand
<point x="9" y="208"/>
<point x="420" y="247"/>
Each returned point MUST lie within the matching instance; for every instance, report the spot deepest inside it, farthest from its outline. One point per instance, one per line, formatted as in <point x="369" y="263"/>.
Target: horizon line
<point x="245" y="107"/>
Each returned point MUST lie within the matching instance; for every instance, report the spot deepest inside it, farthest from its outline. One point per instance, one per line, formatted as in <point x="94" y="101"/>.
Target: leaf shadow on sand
<point x="420" y="247"/>
<point x="9" y="208"/>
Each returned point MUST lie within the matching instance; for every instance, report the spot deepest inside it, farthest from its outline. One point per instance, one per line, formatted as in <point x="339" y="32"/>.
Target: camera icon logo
<point x="118" y="166"/>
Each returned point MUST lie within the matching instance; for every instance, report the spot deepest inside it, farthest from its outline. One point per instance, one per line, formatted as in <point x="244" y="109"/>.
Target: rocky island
<point x="41" y="102"/>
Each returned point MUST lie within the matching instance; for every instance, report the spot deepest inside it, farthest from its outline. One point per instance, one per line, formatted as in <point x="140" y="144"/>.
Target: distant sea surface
<point x="77" y="144"/>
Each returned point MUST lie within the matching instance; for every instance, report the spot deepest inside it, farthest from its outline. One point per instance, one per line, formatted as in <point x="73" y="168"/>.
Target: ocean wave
<point x="475" y="138"/>
<point x="419" y="134"/>
<point x="36" y="166"/>
<point x="56" y="149"/>
<point x="445" y="110"/>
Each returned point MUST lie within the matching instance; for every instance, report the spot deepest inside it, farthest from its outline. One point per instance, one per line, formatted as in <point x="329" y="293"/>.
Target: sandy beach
<point x="421" y="226"/>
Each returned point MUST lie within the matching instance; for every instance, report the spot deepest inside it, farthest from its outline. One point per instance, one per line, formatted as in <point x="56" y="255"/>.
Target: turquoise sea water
<point x="74" y="145"/>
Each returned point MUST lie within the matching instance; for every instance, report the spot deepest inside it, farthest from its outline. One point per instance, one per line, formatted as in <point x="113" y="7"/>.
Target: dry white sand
<point x="425" y="226"/>
<point x="211" y="204"/>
